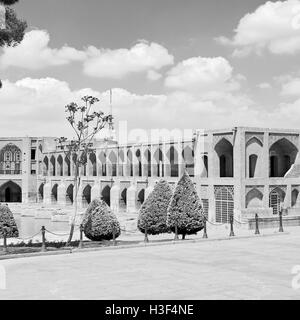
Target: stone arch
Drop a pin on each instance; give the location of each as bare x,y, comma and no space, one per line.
45,166
121,158
123,199
276,199
129,163
188,158
10,159
103,163
105,194
54,193
86,195
158,159
283,154
67,167
224,151
92,164
52,166
224,204
252,165
147,164
295,194
138,167
41,192
172,155
113,159
60,167
141,197
70,194
204,173
10,192
254,199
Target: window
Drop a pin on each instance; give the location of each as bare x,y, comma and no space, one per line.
252,165
33,153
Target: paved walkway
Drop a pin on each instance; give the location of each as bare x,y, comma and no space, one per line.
256,268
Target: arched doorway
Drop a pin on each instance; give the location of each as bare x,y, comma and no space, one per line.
282,156
54,193
69,194
141,197
106,195
10,192
86,195
41,193
224,150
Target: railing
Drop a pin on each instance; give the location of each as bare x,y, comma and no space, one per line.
11,172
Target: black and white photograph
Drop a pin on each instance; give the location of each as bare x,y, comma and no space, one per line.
150,153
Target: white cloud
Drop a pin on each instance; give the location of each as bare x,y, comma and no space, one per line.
34,53
264,85
205,75
273,26
153,75
291,87
142,57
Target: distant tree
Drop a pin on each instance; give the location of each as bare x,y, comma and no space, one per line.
99,222
12,29
185,213
7,221
86,123
153,213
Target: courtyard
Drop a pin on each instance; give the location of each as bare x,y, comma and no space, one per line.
253,268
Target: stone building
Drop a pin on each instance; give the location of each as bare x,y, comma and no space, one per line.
237,170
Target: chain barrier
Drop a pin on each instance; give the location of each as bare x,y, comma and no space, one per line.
28,238
212,223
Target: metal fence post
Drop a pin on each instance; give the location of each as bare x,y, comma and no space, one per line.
43,239
204,231
280,221
231,226
256,224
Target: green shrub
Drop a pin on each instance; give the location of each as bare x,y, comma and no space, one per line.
185,208
153,213
99,222
7,220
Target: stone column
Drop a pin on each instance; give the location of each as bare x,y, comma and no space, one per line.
131,199
115,197
288,197
61,194
181,162
211,203
95,191
47,193
212,164
238,171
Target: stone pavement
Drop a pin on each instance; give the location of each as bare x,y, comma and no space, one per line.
255,268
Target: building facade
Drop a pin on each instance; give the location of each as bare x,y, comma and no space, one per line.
237,170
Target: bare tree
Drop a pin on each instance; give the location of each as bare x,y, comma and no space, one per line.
86,123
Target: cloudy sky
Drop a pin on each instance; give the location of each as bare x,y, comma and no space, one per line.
170,63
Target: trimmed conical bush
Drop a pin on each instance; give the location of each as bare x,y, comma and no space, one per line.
99,222
185,209
7,220
153,213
